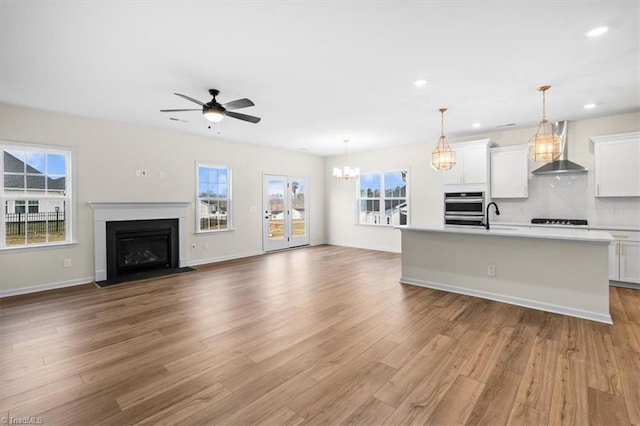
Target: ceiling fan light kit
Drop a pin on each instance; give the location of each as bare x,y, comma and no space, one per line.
215,112
213,115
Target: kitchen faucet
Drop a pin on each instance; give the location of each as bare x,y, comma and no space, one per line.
486,225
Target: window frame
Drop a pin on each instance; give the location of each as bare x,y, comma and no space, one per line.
68,198
383,198
228,199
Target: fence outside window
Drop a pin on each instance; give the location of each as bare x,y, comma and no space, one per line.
35,223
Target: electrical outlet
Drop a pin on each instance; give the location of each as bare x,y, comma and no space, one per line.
67,263
138,173
491,271
206,246
193,246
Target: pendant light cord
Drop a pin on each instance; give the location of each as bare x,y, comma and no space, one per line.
442,110
544,89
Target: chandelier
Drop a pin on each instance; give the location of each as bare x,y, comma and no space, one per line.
345,172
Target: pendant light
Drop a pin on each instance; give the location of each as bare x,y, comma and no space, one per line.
546,145
345,172
443,157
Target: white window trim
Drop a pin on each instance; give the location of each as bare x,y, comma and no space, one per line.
230,210
383,199
70,155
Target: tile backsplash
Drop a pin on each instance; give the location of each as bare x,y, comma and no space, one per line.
570,196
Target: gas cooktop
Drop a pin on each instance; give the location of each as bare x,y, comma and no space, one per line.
546,221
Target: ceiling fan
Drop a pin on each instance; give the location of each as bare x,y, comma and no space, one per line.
215,111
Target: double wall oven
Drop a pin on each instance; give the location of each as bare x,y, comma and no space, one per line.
464,208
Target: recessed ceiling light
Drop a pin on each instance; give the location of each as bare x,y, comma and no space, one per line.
597,31
589,106
476,125
420,83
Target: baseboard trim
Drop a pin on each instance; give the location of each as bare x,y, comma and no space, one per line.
613,283
224,258
548,307
45,287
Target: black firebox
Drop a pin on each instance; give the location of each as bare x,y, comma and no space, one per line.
139,248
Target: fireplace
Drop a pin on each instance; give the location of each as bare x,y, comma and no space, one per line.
137,247
139,212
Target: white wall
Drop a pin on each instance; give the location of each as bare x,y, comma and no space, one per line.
109,153
571,196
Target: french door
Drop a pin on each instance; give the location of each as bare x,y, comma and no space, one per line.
286,221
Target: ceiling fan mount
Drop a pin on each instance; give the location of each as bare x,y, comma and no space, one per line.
215,111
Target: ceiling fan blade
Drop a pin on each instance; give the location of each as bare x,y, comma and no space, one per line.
244,117
189,98
237,104
177,119
179,110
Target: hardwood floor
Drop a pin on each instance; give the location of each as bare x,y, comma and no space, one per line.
318,335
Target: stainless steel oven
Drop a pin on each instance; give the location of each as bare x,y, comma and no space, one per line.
464,208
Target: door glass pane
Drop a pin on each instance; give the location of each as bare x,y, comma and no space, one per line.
298,209
276,191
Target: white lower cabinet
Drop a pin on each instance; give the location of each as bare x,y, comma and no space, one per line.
624,257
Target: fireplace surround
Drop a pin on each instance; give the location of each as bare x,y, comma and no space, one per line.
104,212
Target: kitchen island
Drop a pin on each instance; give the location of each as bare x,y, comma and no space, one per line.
556,270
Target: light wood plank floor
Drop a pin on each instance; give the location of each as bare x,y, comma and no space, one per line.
318,335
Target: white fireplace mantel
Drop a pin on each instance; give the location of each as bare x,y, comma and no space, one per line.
104,212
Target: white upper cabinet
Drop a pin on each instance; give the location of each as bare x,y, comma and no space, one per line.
510,172
471,170
617,165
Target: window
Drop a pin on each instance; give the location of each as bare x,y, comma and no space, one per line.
213,212
36,193
382,198
20,206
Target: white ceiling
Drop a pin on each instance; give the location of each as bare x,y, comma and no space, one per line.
319,72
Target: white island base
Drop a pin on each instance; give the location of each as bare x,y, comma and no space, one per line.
554,271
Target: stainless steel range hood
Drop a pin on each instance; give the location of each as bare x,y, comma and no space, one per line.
562,164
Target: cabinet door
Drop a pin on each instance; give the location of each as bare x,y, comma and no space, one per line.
509,174
614,261
617,168
475,164
454,175
630,261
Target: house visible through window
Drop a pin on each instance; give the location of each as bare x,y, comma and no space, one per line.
20,206
382,198
36,193
214,198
